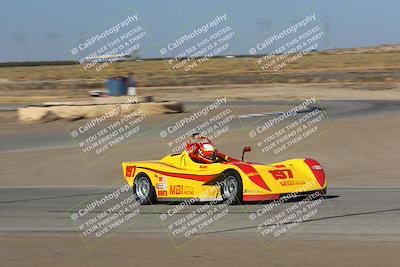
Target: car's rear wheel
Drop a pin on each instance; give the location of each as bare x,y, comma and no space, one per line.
232,188
144,190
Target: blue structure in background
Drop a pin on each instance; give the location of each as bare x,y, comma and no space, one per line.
117,86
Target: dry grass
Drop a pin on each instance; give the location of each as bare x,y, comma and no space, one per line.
146,71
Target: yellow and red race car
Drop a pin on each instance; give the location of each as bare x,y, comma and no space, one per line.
178,177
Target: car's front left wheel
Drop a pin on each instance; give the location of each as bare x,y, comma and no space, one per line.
144,190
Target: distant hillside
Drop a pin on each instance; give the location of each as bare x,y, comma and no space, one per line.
342,51
361,50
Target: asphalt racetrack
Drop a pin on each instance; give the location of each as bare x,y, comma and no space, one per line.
43,179
352,213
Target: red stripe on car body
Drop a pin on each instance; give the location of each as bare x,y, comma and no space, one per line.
201,178
261,197
252,173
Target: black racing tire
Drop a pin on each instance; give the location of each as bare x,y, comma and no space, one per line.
232,188
143,190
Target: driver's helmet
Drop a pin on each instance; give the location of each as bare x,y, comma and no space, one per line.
201,149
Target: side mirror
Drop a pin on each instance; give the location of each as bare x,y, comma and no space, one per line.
245,149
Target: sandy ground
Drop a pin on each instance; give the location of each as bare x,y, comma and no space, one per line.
139,251
356,91
358,150
353,227
322,91
355,151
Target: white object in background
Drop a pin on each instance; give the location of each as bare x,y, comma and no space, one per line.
131,90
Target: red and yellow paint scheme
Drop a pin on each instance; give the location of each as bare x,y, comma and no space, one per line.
178,177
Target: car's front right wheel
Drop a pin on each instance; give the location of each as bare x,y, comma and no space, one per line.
232,188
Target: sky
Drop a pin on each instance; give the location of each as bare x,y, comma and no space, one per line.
34,30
